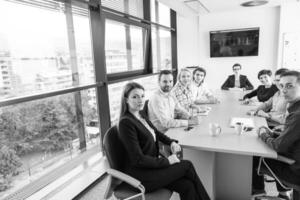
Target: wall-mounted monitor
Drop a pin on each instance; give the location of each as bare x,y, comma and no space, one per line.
229,43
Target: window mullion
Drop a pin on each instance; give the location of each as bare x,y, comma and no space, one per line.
97,23
75,75
174,43
147,39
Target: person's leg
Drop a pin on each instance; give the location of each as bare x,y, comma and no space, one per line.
192,175
154,179
185,188
258,183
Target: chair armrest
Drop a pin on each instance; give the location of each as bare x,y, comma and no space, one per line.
285,159
124,177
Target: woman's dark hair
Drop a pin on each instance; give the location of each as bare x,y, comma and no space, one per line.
126,91
199,69
281,71
264,72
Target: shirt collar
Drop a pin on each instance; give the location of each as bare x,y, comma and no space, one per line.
198,84
165,94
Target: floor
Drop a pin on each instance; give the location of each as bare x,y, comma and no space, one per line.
98,189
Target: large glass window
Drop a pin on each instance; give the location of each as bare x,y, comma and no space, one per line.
39,136
161,49
124,47
132,7
37,52
160,13
48,101
46,47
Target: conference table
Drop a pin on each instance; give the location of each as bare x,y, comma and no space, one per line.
224,162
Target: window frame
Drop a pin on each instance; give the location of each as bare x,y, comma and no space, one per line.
97,15
132,73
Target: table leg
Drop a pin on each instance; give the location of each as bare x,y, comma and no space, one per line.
233,176
203,162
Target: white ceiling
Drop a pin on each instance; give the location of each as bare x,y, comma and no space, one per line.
198,7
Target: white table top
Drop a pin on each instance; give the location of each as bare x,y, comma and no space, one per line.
228,141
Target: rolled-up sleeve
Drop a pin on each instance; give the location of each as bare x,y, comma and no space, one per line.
289,136
162,115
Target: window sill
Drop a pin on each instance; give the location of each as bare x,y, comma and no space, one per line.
68,180
75,181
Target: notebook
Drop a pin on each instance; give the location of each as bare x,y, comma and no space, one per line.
248,122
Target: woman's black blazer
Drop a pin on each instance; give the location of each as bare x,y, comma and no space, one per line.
142,150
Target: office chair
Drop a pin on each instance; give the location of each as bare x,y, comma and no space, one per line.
120,185
268,171
145,109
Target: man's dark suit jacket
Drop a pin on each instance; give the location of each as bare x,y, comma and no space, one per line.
139,143
244,83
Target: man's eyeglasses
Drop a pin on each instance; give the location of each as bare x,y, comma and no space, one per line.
236,69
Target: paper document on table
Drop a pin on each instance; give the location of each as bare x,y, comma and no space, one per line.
204,110
248,122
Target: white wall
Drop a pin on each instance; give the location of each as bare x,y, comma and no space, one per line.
289,24
267,19
187,41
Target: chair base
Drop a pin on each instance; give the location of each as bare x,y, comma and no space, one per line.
124,191
294,196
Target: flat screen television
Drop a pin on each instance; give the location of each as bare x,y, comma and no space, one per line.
230,43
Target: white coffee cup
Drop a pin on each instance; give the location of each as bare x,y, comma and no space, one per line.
214,129
239,128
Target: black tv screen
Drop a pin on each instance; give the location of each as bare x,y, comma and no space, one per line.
229,43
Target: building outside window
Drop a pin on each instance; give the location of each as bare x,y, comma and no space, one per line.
48,89
37,55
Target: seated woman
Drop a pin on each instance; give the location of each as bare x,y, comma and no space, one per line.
265,91
182,90
201,94
275,109
237,80
140,139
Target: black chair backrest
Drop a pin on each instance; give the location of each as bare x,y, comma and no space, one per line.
145,109
114,149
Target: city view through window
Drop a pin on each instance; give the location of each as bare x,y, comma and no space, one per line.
49,49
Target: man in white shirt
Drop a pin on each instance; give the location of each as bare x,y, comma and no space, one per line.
201,93
164,110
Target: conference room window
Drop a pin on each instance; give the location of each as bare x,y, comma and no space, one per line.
160,13
42,135
49,96
161,36
131,7
48,106
124,47
47,53
161,49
